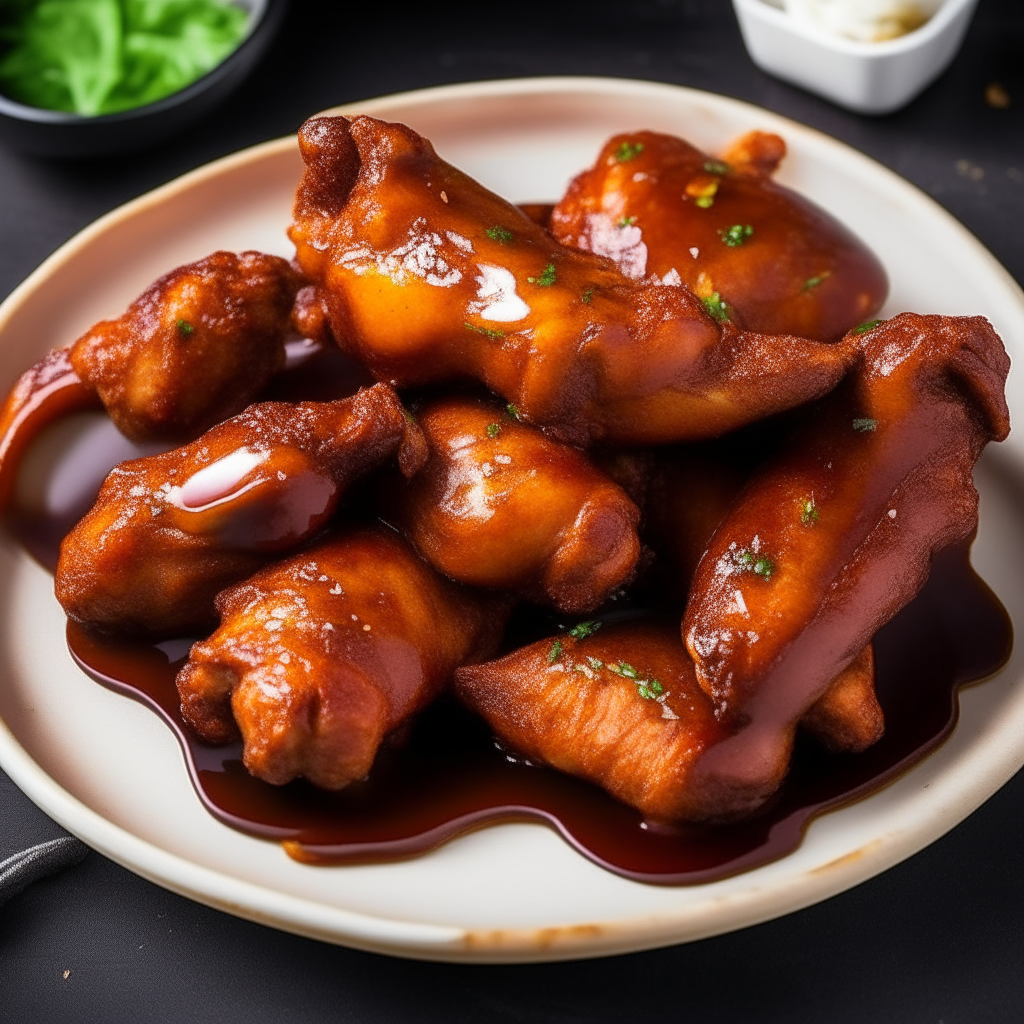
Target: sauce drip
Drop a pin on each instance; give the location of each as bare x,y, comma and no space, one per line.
447,776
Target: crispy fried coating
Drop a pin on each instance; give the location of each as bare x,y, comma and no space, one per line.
427,276
837,533
320,656
665,211
847,717
500,505
692,490
194,348
168,532
620,708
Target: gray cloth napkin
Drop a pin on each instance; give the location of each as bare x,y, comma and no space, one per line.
22,869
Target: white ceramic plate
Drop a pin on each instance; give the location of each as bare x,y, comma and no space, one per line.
111,772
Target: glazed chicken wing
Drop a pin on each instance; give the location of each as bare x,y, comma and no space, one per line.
665,211
424,276
168,532
320,656
692,490
500,505
836,535
620,708
193,349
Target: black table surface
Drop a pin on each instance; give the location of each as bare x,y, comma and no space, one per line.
937,940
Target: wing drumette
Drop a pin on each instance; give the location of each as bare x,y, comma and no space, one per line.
425,275
832,538
320,656
500,505
169,531
665,211
193,349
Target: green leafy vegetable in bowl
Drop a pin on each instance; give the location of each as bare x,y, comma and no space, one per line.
100,56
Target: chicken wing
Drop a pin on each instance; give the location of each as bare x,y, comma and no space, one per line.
426,276
692,491
193,349
500,505
320,656
837,534
168,532
665,211
620,707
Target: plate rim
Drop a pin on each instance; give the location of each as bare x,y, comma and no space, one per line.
452,943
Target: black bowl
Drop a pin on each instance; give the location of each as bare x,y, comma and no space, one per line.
55,133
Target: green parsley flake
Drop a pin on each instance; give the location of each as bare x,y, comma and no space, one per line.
869,326
595,663
718,309
485,331
625,222
716,167
185,329
705,202
513,410
813,282
649,689
493,429
623,668
555,653
759,565
808,512
864,426
500,234
584,629
546,278
587,296
628,151
736,235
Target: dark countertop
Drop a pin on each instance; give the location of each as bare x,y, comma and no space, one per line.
937,940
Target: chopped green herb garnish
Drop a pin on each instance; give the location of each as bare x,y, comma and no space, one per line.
718,309
500,234
587,295
808,512
716,167
736,235
493,429
513,410
185,329
584,629
555,653
595,663
864,426
408,415
869,326
623,668
628,151
485,331
546,278
625,222
749,561
649,689
813,282
705,202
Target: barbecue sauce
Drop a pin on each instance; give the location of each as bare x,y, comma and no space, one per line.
446,775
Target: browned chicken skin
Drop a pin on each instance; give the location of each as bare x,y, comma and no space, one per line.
169,531
320,656
426,276
193,349
691,491
500,505
665,211
620,708
836,535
